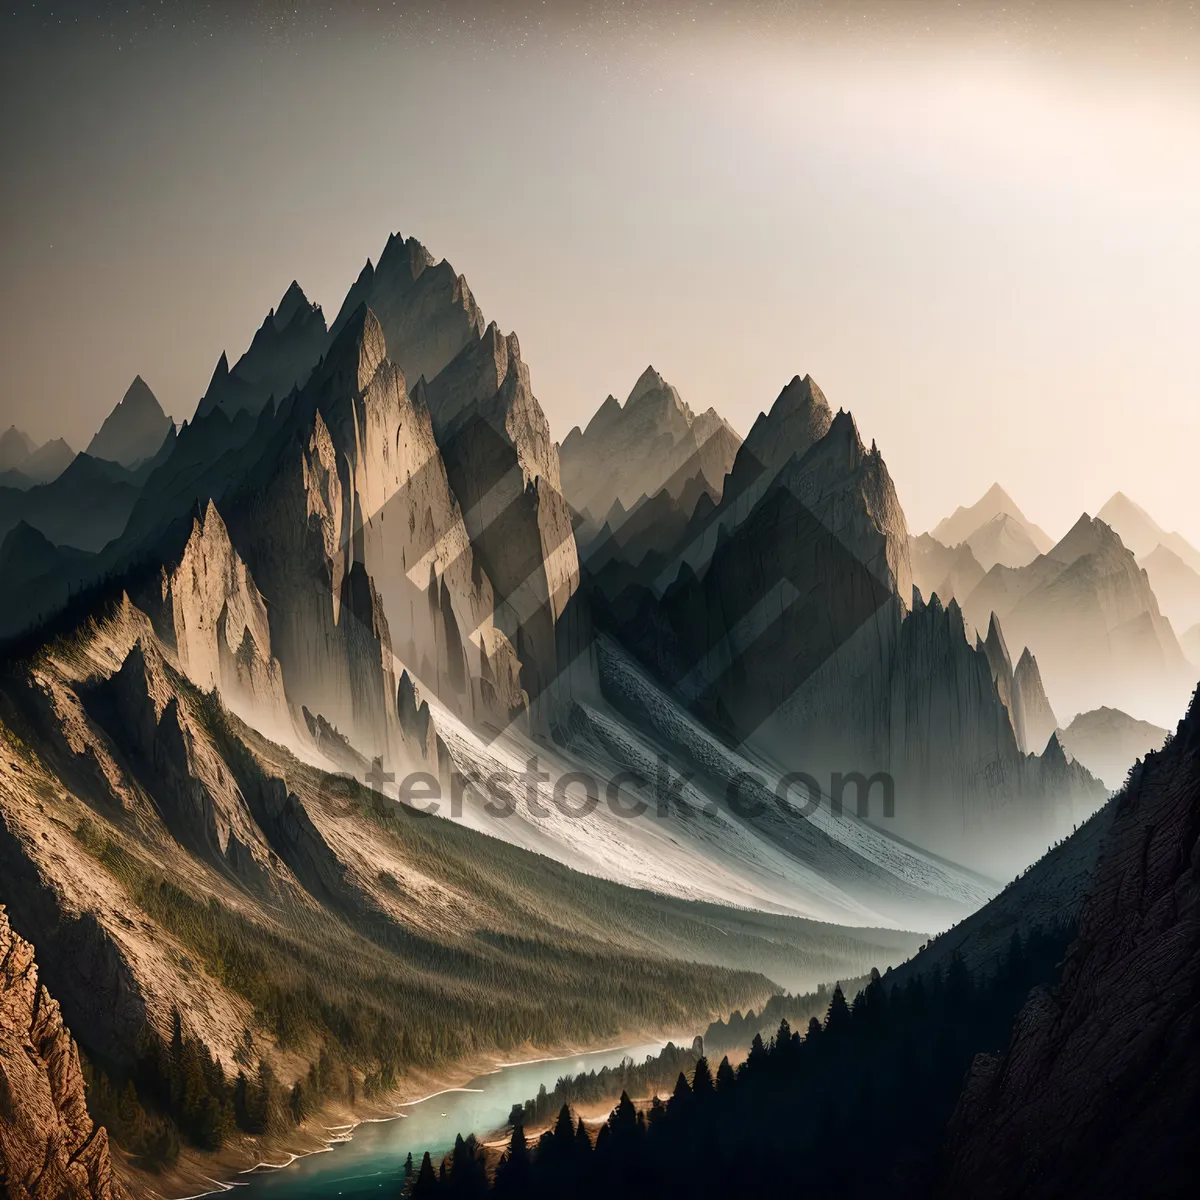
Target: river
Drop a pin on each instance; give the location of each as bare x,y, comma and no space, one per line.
370,1162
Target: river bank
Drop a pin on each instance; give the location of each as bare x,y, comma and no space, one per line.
362,1148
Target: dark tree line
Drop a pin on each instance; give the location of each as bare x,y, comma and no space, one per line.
595,1087
177,1093
857,1103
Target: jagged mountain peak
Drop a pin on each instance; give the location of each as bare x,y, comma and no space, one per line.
652,386
967,522
15,447
135,428
427,311
648,381
404,253
1037,716
799,395
799,418
995,637
1118,504
653,398
604,418
293,304
1089,535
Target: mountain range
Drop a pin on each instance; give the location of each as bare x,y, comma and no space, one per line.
967,523
364,567
1141,533
24,464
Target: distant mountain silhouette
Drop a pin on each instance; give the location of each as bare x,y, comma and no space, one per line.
1141,533
134,430
964,522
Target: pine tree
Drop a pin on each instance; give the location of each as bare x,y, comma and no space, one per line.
564,1131
837,1019
726,1079
680,1103
758,1052
623,1119
583,1143
702,1081
426,1184
512,1176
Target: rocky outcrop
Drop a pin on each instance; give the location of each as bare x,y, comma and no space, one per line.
1037,716
172,755
49,1148
653,442
1095,1093
1002,676
134,430
218,623
504,469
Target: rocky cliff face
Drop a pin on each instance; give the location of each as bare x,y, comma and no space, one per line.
503,467
652,442
1096,1092
1036,713
1000,661
218,622
134,430
360,549
49,1148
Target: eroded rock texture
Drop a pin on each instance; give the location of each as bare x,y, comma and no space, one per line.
49,1148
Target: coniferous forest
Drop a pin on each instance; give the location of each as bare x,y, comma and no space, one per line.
853,1105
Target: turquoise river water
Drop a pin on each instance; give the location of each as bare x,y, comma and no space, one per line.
370,1161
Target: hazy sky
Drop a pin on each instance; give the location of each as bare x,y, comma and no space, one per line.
976,226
